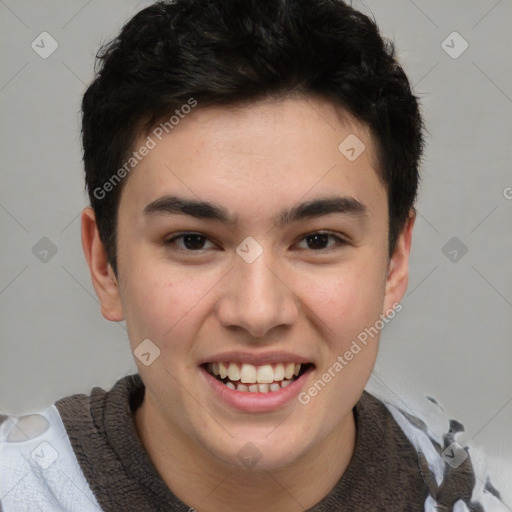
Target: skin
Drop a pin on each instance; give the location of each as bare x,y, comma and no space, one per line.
254,160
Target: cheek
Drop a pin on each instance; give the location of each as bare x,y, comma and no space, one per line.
346,300
156,303
168,306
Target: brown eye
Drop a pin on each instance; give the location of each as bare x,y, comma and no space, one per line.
193,242
320,241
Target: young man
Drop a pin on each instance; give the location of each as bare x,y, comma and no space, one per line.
252,168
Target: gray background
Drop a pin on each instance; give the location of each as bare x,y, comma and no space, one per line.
452,340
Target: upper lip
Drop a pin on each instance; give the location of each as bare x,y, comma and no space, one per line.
256,359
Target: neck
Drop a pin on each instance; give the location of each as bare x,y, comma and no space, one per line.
209,485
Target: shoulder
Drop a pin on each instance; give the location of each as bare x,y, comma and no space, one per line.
38,468
454,468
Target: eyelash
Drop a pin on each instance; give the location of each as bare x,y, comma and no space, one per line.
340,241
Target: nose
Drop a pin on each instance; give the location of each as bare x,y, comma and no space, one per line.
257,298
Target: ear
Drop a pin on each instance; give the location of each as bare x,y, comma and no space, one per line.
103,278
398,269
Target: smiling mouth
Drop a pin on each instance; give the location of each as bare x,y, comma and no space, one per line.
266,378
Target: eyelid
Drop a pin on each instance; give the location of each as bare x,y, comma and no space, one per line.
170,240
339,238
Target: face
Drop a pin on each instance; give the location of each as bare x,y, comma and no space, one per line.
278,274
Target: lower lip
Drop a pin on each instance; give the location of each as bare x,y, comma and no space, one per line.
248,401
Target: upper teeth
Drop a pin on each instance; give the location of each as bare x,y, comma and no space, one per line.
250,374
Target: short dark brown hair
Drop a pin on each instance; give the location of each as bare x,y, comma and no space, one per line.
237,51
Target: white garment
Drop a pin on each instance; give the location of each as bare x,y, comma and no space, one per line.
38,468
436,422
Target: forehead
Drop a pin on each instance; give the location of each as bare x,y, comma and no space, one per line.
256,155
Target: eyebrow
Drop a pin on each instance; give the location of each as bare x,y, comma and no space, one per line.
209,211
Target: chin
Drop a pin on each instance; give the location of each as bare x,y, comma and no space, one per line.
257,453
